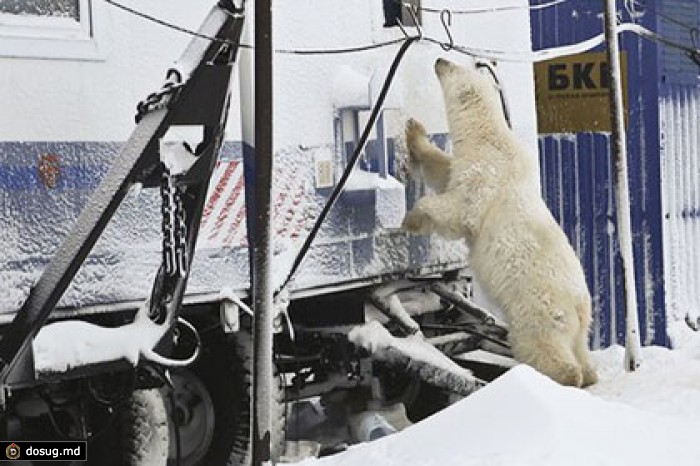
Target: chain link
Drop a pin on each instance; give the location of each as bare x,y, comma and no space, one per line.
174,227
168,210
181,252
162,97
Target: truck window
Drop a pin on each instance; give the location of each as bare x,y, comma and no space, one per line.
57,8
59,29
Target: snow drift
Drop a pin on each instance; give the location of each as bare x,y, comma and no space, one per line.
524,418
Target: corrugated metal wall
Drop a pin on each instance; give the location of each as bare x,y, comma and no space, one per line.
681,194
679,110
577,180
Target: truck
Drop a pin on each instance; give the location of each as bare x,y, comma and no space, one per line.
128,308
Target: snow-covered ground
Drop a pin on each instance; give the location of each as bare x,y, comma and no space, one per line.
649,417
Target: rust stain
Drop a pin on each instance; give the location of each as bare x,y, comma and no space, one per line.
49,170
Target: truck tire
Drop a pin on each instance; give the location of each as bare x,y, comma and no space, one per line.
225,372
143,429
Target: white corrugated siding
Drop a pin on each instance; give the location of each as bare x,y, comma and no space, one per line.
681,199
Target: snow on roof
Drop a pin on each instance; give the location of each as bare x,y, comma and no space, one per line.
648,417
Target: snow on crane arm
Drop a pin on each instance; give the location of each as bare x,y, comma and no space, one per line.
62,346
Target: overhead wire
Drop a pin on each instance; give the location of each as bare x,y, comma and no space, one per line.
164,23
491,54
691,51
343,50
668,18
493,9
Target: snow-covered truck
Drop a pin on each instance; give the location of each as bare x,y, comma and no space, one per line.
125,272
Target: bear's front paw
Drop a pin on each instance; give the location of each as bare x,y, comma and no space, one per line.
415,136
415,222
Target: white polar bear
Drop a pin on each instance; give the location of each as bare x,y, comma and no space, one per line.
487,193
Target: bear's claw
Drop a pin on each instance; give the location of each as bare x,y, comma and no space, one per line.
414,130
414,222
415,136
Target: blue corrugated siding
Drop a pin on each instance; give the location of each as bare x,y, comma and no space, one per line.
578,176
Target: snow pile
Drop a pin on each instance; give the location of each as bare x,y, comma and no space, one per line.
523,418
667,382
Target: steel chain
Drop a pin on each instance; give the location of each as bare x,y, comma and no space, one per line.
168,210
174,227
180,234
158,99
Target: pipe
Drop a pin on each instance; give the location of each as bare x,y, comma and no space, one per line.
261,242
619,144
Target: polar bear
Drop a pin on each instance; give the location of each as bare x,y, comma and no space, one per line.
487,193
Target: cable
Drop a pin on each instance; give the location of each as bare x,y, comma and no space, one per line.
692,52
165,23
495,9
360,48
351,163
492,54
175,27
667,17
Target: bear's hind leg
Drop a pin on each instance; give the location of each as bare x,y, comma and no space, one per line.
590,376
426,158
552,358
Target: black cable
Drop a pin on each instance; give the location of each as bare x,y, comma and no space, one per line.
351,163
501,94
692,52
676,22
668,18
494,9
175,27
360,48
167,24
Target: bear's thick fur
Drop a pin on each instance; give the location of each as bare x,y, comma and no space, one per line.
487,193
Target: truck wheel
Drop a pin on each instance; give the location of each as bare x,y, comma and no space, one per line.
143,429
212,405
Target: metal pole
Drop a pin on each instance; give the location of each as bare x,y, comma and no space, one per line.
619,144
261,282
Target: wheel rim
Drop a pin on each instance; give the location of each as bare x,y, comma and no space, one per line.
192,411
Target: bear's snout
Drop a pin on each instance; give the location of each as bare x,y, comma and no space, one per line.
442,65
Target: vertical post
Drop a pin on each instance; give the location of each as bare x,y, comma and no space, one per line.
619,144
261,242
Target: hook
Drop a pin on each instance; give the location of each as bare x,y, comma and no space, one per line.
413,10
446,19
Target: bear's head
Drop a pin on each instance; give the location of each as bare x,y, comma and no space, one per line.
471,98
